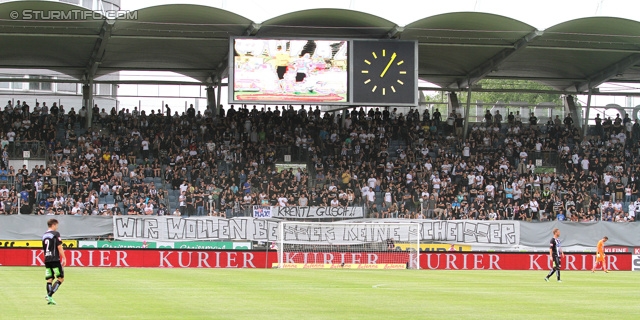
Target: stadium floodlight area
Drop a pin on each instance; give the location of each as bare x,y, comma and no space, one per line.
345,245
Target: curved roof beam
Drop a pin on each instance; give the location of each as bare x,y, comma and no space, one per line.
494,62
98,51
607,73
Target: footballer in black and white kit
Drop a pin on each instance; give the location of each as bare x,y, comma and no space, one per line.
54,259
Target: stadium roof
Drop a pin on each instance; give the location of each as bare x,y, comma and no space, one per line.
455,49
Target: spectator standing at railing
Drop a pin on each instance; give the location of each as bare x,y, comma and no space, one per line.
4,176
4,142
533,121
38,185
437,118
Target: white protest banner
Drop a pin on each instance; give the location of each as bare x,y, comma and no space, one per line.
172,229
296,212
261,212
190,229
500,232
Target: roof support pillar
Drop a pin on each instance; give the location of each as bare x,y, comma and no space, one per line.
87,101
467,110
219,106
585,121
571,108
211,100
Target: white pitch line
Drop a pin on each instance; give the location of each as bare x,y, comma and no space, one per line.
377,286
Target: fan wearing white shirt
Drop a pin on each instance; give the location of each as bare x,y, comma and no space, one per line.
11,136
148,208
523,155
145,147
388,198
184,187
4,192
371,182
371,197
436,184
617,206
531,168
632,210
636,213
534,206
575,158
504,165
282,201
471,178
76,209
490,190
621,137
479,180
585,165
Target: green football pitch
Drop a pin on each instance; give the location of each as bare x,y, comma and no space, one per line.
100,293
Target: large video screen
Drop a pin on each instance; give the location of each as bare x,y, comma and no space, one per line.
289,71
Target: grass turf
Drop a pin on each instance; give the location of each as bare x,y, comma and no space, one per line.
101,293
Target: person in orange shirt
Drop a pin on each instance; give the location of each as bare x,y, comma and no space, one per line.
600,256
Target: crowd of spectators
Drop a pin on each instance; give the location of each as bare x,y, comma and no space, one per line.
412,166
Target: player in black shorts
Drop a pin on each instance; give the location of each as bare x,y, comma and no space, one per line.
282,62
555,254
54,259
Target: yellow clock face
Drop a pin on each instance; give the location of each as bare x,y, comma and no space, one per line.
384,72
387,66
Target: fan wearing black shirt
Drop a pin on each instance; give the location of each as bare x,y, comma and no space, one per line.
555,254
54,259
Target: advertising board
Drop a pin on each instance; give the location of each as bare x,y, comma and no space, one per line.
171,258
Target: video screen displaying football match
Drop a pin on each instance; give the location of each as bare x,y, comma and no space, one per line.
290,71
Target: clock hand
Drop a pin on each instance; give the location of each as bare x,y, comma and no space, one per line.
393,57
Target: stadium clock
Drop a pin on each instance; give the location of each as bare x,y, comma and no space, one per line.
384,72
